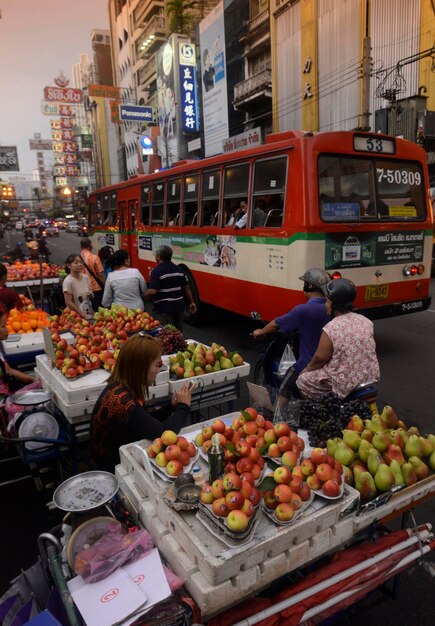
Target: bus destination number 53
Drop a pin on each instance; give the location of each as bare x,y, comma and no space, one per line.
373,144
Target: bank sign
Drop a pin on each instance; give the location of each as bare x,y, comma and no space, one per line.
188,87
135,113
368,249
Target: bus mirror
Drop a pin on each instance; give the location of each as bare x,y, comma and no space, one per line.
255,315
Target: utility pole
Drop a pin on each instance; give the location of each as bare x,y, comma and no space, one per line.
366,67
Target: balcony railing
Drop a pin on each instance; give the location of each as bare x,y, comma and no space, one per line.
258,20
247,88
147,69
143,9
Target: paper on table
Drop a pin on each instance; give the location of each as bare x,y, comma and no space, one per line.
108,601
149,575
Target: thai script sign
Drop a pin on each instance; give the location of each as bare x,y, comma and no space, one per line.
103,91
61,94
188,90
8,159
249,139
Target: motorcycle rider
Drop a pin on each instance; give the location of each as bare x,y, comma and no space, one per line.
306,321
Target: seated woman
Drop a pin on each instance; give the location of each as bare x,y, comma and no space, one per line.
9,298
125,285
346,354
10,379
120,417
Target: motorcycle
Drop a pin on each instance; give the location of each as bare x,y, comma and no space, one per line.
267,374
14,255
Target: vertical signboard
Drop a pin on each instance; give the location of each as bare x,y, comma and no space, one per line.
214,80
188,88
167,141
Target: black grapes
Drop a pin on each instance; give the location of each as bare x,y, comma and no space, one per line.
326,418
172,340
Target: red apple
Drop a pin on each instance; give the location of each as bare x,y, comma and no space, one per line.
174,468
237,521
220,507
234,500
168,437
284,512
282,475
231,481
281,429
318,456
206,495
324,472
282,493
331,488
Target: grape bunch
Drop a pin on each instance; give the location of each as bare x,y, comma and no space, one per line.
325,419
171,339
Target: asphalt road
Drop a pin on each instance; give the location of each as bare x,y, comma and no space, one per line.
406,350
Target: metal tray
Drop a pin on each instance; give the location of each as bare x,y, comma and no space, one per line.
85,491
29,398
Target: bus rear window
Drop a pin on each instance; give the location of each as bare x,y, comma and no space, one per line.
358,189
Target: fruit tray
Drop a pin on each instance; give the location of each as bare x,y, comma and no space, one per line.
270,513
275,462
220,524
321,494
160,472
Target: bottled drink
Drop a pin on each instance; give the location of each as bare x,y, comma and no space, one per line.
216,460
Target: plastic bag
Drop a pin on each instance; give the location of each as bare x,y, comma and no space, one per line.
287,360
110,552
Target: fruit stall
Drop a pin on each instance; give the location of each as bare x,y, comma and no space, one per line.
281,503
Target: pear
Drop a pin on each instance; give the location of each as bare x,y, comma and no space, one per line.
208,368
384,478
217,366
381,440
367,434
397,472
393,452
374,460
408,473
365,484
413,446
427,445
348,476
226,364
188,364
199,370
432,461
364,449
356,423
389,416
421,469
401,424
331,445
413,430
180,357
397,438
237,359
376,423
352,439
344,454
188,373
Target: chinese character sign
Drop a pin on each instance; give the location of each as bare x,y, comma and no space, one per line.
188,87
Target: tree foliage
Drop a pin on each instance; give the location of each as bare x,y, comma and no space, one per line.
180,17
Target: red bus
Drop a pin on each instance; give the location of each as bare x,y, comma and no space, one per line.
356,204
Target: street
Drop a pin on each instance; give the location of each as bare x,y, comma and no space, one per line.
406,351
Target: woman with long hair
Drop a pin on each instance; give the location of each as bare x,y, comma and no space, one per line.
120,415
125,285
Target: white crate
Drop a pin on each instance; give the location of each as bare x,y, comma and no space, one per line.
20,344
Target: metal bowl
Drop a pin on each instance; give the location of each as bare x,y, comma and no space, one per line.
189,493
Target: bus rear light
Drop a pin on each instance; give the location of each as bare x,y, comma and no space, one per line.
420,269
335,275
410,270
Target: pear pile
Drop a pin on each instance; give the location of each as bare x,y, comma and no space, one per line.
381,452
198,359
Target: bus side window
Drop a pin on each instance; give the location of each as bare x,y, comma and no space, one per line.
268,193
210,197
173,192
190,199
145,205
157,206
236,190
209,212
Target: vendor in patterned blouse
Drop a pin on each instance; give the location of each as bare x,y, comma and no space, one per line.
346,354
120,415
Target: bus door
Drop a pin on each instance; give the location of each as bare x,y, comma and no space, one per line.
131,232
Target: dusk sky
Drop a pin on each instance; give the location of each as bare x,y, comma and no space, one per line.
38,38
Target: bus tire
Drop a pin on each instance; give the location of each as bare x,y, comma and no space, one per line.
194,319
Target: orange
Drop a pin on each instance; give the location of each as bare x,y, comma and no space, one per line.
34,323
33,315
25,326
16,325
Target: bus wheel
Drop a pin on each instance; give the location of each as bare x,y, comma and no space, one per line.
195,318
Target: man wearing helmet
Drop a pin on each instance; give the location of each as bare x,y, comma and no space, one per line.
346,354
305,320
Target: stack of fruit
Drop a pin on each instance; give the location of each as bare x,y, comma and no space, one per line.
27,270
284,493
199,359
172,453
232,497
69,360
283,445
119,318
381,452
28,320
172,340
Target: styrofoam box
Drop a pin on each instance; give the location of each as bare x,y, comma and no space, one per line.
217,562
86,388
28,342
33,282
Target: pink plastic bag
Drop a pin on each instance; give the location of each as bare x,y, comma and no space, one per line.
110,552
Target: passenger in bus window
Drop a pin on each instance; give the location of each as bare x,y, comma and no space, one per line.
259,216
241,215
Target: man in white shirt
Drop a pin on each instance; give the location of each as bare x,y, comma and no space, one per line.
241,215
